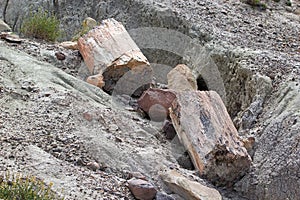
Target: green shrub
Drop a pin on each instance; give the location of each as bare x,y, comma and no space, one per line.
15,187
257,3
41,25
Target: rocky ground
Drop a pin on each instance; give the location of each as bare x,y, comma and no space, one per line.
52,124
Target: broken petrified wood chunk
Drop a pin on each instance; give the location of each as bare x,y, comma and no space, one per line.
109,50
188,189
207,132
181,79
96,80
156,103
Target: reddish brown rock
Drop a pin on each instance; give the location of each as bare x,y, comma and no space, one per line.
96,80
156,102
109,50
207,132
60,56
141,189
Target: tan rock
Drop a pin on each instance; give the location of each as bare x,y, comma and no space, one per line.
4,26
181,79
10,37
188,189
96,80
70,45
207,132
156,103
141,189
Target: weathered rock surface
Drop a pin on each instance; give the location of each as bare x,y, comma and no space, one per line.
109,50
4,26
142,189
188,189
71,120
181,79
276,159
207,132
156,103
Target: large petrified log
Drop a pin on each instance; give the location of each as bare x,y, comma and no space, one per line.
109,50
207,132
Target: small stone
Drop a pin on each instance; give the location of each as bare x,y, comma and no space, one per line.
96,80
113,128
163,196
141,189
87,116
138,175
70,45
93,166
60,56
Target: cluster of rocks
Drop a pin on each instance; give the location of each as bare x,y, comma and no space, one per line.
242,41
200,118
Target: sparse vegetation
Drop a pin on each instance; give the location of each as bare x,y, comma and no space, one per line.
87,25
41,25
18,187
257,3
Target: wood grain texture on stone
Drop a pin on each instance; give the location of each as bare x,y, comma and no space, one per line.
207,132
188,189
109,50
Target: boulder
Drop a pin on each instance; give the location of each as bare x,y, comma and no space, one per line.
4,26
141,189
181,78
156,103
188,189
109,50
209,136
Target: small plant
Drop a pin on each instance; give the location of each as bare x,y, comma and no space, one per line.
257,3
41,25
15,187
87,25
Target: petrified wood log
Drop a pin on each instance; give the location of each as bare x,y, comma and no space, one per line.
109,50
207,132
